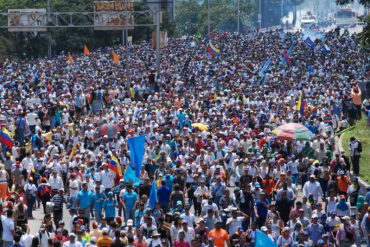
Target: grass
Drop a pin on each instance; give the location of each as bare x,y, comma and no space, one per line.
362,133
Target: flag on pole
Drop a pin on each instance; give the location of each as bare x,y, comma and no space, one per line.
212,49
70,59
115,166
309,43
6,137
131,177
115,58
325,49
153,195
285,58
86,50
262,240
73,152
137,149
265,67
301,104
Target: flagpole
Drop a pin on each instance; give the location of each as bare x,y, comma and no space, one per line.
127,53
209,18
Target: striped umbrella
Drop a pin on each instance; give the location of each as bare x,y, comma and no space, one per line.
293,131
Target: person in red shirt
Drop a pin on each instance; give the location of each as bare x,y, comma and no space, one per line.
199,144
59,236
182,242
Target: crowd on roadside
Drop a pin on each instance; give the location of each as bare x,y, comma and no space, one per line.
217,183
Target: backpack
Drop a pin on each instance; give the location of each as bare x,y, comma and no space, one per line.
359,147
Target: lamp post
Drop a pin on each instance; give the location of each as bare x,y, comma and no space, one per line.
49,33
238,26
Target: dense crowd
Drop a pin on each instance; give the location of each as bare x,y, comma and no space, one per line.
215,184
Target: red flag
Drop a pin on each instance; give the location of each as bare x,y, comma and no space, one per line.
212,35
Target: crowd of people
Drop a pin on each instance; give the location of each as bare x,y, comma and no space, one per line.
215,184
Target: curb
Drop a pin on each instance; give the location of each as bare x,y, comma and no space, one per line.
364,186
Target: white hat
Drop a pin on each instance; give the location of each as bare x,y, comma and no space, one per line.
130,222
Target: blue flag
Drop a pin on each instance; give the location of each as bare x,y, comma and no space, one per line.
136,145
130,176
262,240
153,195
309,43
36,76
265,67
325,49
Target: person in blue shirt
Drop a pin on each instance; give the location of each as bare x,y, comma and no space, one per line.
129,201
261,209
169,180
116,192
98,199
179,209
109,205
84,200
139,213
163,194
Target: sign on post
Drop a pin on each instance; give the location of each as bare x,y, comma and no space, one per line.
113,15
27,20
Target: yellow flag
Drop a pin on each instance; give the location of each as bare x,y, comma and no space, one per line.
115,58
73,152
70,59
86,50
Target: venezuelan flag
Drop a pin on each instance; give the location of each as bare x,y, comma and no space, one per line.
70,59
6,137
301,104
43,189
213,50
115,166
86,50
115,58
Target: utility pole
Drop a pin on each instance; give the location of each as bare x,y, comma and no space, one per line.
260,15
49,33
282,12
209,18
127,53
238,27
157,41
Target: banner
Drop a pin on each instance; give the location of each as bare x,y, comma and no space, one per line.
137,149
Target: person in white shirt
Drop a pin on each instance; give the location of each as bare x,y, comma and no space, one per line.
32,121
55,181
72,242
188,231
313,187
107,179
26,239
74,188
8,228
187,216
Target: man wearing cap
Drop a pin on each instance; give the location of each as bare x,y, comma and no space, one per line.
74,188
261,209
219,236
72,242
217,190
97,199
312,187
109,205
315,229
84,200
58,200
346,234
285,239
187,230
116,192
129,201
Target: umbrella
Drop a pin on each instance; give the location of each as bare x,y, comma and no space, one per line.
200,126
109,129
293,131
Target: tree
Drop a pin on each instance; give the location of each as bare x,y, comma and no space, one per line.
364,36
192,16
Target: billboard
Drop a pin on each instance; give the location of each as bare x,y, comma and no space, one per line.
27,20
163,40
113,15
